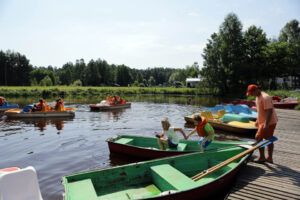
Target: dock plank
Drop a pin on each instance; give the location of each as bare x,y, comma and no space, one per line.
280,180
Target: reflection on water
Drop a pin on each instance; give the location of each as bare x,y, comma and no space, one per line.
39,123
113,114
81,144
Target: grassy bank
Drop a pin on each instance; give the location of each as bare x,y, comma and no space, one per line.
55,91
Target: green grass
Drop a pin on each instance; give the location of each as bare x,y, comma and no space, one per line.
54,91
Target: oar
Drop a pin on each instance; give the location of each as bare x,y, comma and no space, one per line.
247,146
226,162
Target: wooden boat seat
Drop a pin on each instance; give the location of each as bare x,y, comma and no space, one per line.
124,141
83,189
180,147
167,178
134,192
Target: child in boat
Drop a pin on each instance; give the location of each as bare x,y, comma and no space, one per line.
108,98
204,130
2,101
39,106
170,131
59,103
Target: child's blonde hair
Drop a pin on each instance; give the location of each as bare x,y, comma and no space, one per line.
165,124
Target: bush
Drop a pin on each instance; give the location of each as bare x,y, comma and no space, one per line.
46,81
77,83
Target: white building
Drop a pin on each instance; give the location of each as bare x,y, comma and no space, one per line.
192,82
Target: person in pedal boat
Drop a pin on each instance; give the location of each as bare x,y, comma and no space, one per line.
39,106
2,101
58,104
204,130
172,137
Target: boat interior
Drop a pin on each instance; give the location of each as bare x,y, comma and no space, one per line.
151,178
184,145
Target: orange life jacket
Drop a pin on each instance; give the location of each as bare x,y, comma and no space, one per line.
57,105
2,100
40,106
200,127
108,98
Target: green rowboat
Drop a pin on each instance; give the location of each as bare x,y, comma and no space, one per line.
166,178
147,147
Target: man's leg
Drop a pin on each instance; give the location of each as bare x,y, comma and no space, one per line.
262,157
270,153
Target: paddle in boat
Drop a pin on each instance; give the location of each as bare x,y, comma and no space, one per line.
5,106
27,112
110,103
147,147
227,122
190,176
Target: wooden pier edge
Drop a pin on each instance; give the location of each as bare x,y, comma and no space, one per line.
280,180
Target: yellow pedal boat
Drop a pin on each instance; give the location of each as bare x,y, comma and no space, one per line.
44,113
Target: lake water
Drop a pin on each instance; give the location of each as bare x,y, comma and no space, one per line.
58,147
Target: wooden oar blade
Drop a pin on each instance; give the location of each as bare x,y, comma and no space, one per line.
271,140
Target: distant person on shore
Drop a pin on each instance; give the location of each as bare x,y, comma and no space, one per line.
266,121
204,130
172,137
189,100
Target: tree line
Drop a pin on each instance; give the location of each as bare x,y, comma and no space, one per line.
233,58
16,70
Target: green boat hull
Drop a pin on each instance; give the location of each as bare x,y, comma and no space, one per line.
166,178
147,147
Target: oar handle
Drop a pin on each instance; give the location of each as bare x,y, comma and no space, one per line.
216,167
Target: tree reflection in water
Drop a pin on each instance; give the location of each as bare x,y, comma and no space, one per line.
41,124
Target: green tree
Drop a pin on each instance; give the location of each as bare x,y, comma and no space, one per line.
255,43
139,77
14,69
151,81
178,75
93,77
192,71
46,81
290,32
224,56
124,76
277,62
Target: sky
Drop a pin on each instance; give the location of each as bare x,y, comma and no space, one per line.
137,33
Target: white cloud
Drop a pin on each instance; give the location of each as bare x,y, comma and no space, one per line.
194,14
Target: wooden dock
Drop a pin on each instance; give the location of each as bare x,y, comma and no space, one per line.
280,180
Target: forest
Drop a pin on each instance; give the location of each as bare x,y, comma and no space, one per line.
233,58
